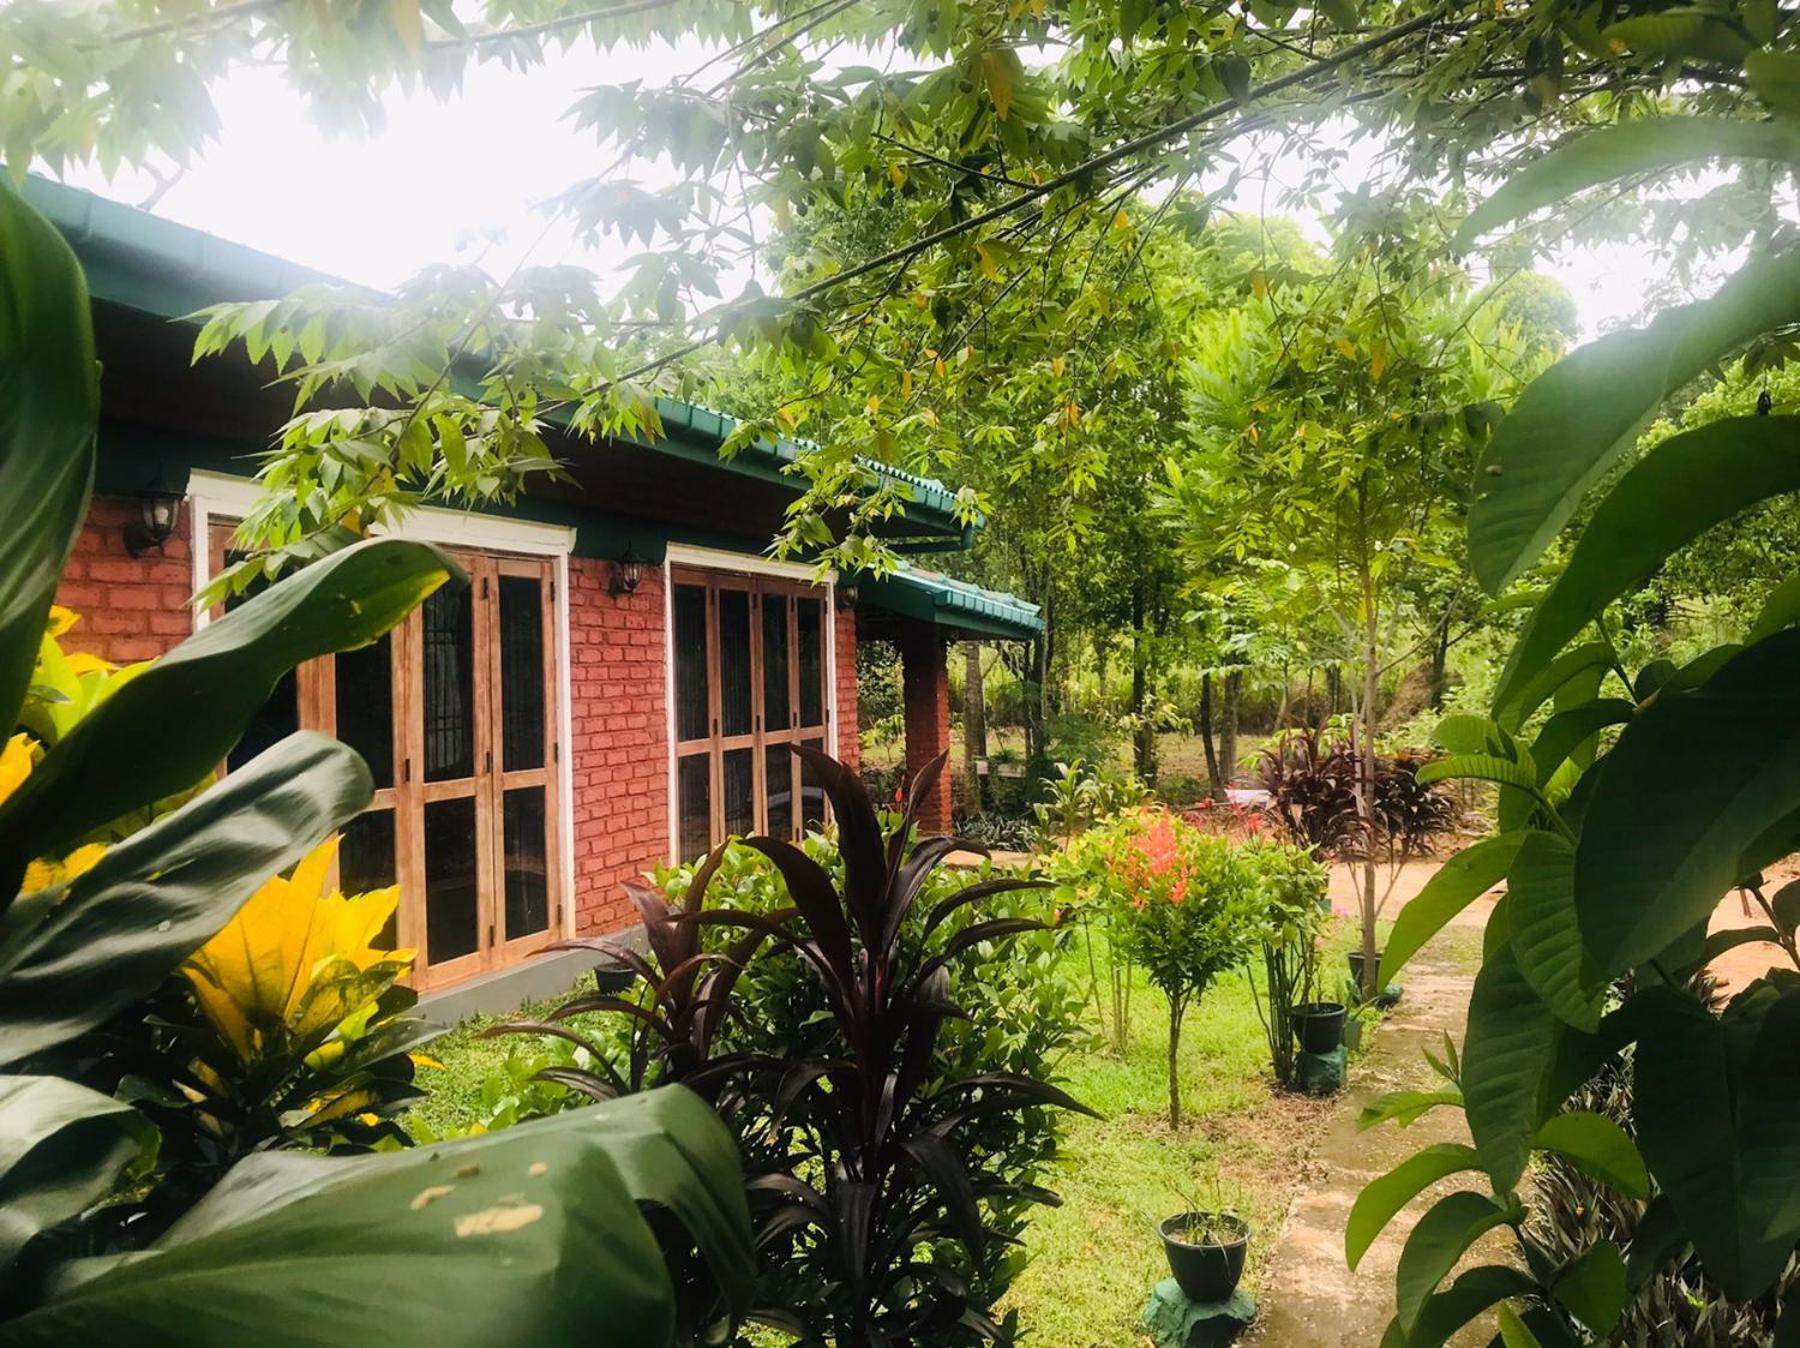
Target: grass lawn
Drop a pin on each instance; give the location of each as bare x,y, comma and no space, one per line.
1094,1260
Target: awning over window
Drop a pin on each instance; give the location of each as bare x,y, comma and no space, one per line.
966,609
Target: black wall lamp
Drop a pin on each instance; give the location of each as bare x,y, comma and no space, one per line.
160,510
627,573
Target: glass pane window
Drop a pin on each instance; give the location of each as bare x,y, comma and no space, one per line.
365,707
693,791
775,661
740,792
449,658
691,714
526,857
451,897
734,662
366,862
809,627
812,795
778,784
521,672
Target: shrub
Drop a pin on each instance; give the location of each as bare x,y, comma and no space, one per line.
1288,919
884,1054
1177,901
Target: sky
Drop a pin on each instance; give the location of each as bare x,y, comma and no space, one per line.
459,181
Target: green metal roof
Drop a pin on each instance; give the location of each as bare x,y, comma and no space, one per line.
141,261
936,598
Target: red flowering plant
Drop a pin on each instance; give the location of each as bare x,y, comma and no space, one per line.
1178,902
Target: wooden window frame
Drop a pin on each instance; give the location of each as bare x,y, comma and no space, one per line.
762,589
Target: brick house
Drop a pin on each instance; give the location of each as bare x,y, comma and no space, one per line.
619,685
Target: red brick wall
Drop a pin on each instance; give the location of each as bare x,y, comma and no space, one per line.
849,728
131,608
925,685
620,753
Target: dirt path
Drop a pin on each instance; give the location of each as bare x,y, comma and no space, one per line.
1309,1298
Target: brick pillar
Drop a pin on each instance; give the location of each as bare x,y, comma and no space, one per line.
130,608
925,680
849,725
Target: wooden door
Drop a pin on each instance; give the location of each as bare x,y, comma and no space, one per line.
455,712
750,683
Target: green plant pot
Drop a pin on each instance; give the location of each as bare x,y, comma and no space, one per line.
1353,1033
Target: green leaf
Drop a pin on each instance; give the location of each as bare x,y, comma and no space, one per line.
1679,490
1472,1293
171,725
1545,934
1404,1107
1381,1199
1690,32
1781,609
1480,768
1774,77
1599,1147
1435,1245
1514,1333
1592,1287
1234,74
62,1149
1581,664
1693,781
1576,418
1463,733
1690,1128
1508,1054
1564,733
1656,1240
528,1235
49,407
1608,153
1461,880
72,956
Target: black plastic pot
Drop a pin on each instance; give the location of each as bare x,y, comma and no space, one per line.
1386,997
610,978
1319,1026
1356,965
1207,1273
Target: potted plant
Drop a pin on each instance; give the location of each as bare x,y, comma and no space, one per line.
1289,920
1206,1249
1319,1026
1384,997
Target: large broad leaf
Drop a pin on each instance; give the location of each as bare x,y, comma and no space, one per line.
1678,491
1606,154
1576,418
1579,671
1440,1239
1382,1198
1690,1127
1461,880
529,1235
1546,937
49,406
1693,782
1472,1293
172,724
72,956
1509,1055
1592,1287
62,1148
1599,1147
1565,733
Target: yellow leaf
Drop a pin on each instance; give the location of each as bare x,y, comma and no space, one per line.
1259,285
896,175
407,24
931,417
1040,8
1121,222
962,357
1346,348
785,415
1377,359
990,265
906,383
874,404
920,299
15,763
61,620
1057,366
997,67
937,367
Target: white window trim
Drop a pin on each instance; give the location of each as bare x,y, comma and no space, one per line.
719,559
221,496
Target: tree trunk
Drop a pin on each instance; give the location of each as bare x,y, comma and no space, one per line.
974,725
1228,731
1215,786
1176,1007
1440,656
1145,734
1365,726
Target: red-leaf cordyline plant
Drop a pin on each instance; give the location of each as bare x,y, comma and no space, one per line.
881,1205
